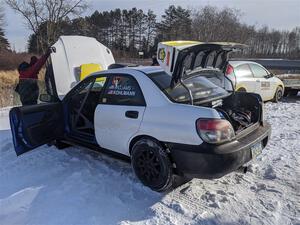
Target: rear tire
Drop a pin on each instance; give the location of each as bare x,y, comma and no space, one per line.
278,94
152,165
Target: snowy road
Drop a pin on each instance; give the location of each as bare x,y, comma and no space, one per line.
75,186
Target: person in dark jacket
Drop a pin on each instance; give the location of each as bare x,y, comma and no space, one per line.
154,61
28,75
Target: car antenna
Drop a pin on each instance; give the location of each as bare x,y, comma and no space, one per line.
183,84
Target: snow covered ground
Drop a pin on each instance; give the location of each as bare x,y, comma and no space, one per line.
75,186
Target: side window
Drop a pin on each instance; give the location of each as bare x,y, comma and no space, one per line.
258,71
122,90
98,84
82,87
93,85
243,71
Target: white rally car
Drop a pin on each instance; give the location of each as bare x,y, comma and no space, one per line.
172,124
252,77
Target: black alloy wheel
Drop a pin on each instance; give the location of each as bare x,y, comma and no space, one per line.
152,165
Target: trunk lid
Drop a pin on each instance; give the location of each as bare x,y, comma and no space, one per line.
181,59
71,53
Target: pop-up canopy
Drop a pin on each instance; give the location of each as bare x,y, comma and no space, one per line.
73,54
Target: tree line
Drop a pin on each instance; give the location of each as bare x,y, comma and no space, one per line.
4,44
129,31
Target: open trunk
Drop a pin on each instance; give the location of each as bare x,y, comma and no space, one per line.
197,69
241,109
182,59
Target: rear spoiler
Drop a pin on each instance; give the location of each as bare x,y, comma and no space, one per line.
178,58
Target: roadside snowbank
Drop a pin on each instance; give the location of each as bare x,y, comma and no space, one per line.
75,186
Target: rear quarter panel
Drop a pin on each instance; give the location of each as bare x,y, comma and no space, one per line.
174,122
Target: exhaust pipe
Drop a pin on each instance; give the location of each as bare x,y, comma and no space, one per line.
242,169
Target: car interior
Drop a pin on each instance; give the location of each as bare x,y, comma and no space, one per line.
82,100
82,104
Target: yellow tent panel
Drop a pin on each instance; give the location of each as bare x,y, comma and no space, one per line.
87,69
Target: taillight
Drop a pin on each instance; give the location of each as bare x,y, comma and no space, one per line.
215,131
229,70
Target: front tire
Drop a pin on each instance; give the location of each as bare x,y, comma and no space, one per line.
152,165
278,94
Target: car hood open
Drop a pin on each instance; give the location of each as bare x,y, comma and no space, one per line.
182,58
71,52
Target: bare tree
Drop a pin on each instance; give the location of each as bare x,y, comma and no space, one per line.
49,13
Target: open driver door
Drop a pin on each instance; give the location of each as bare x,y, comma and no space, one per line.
35,125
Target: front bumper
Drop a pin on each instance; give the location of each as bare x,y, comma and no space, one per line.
213,161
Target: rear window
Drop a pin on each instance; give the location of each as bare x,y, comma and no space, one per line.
201,87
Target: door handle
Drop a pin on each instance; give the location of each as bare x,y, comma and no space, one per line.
132,114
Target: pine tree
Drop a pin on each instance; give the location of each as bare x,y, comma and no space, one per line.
176,24
4,44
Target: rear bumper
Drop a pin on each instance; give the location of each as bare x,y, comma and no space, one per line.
214,161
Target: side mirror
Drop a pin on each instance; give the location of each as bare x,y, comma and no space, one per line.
46,98
269,76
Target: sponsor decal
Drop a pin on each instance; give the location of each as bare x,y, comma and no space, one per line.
121,92
161,54
116,88
168,58
265,85
116,81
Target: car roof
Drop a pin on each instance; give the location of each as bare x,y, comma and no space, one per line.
144,69
148,69
236,63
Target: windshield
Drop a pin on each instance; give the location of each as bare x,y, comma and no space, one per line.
201,87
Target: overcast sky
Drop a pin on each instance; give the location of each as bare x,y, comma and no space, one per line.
279,14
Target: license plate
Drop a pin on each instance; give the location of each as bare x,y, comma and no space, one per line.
256,149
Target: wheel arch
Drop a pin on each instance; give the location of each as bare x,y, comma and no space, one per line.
241,88
280,86
139,137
